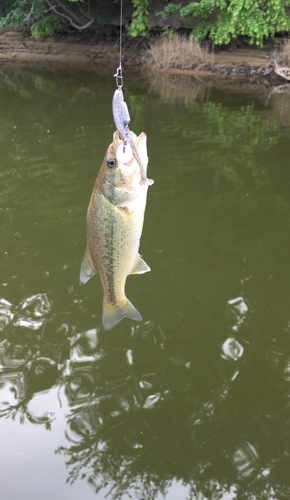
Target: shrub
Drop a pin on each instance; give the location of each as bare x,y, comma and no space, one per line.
281,61
46,26
257,19
19,12
140,24
178,52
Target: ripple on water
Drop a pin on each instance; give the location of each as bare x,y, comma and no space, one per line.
151,401
32,311
274,356
12,390
42,373
84,347
145,385
232,349
244,459
6,314
7,175
79,387
42,408
179,361
237,309
129,356
13,356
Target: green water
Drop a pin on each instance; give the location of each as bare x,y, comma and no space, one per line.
194,402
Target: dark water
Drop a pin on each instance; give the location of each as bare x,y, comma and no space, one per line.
194,402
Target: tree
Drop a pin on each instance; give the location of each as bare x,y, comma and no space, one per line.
223,20
45,15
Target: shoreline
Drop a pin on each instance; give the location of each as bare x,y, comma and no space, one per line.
18,49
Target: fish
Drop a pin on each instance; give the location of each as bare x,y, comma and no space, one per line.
114,226
122,120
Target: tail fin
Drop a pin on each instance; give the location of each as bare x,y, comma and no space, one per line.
113,314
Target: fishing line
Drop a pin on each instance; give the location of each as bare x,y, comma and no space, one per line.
118,75
126,150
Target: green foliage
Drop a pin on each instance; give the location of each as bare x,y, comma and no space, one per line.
105,18
202,9
46,26
257,19
170,9
19,12
169,33
140,24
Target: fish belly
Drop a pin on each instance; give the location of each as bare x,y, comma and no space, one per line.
113,240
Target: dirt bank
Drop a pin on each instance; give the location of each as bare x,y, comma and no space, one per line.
83,52
18,48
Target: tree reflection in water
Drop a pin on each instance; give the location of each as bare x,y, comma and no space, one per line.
163,417
144,413
203,400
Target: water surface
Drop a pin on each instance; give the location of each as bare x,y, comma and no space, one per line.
194,401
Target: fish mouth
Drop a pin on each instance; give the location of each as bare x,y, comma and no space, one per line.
118,141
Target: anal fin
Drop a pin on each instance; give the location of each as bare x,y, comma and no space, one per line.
87,268
140,266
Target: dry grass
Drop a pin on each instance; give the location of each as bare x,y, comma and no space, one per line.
285,53
178,52
281,61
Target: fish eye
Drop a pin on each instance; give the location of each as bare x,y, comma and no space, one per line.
111,162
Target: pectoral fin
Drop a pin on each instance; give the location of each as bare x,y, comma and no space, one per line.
87,268
140,266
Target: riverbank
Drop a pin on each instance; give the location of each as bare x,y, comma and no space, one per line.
18,48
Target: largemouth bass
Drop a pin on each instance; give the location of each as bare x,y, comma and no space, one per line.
114,226
122,120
